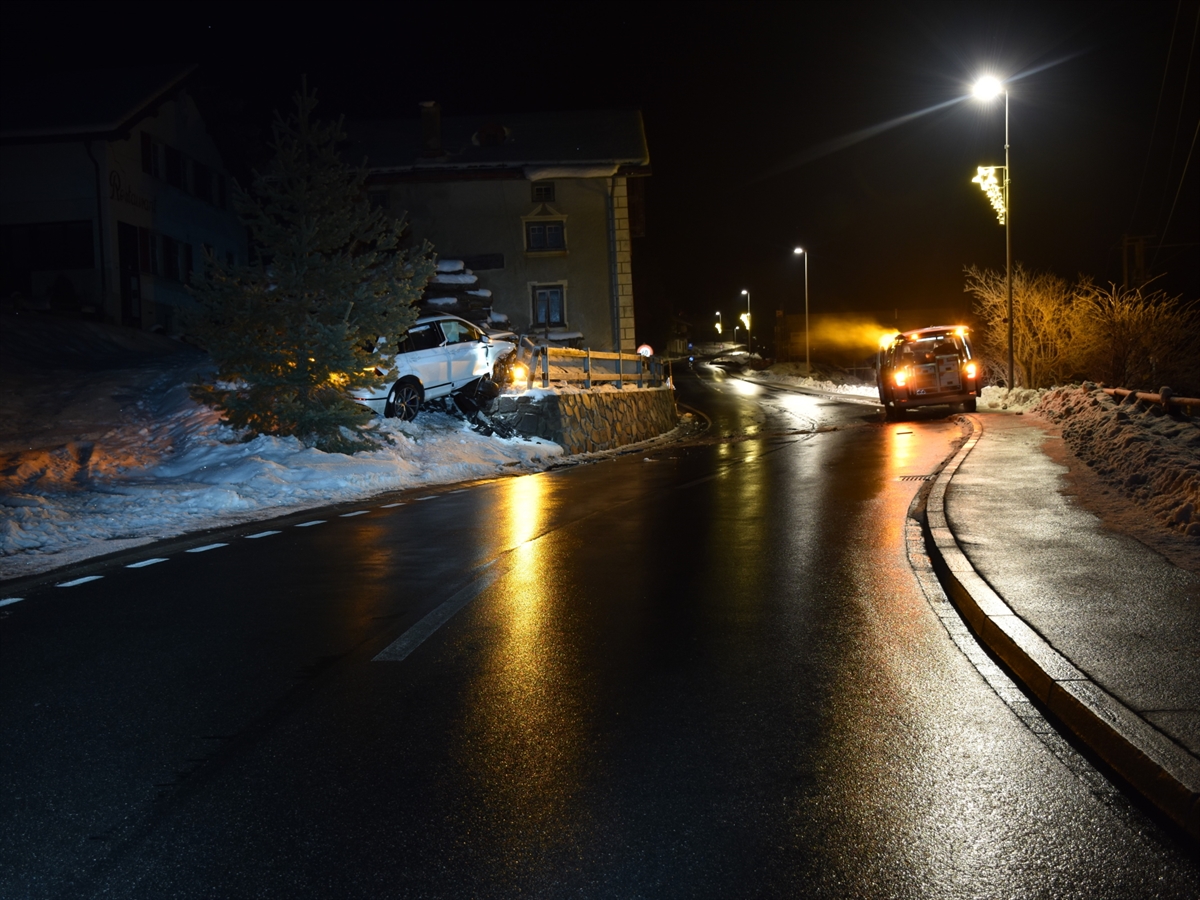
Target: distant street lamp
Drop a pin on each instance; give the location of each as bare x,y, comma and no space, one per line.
985,89
718,321
800,252
746,319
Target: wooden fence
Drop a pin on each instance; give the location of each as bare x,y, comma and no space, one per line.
596,366
1188,405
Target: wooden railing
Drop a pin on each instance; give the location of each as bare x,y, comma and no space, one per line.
1188,405
596,366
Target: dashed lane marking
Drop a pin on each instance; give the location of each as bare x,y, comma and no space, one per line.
357,512
390,505
84,580
7,600
261,534
146,562
311,524
206,548
427,497
400,648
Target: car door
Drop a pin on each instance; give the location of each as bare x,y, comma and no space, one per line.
467,351
423,355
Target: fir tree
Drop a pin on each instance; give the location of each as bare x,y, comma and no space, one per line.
298,327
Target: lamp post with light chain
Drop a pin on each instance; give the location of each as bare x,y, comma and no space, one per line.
985,89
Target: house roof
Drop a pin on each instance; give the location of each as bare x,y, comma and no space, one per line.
564,144
86,103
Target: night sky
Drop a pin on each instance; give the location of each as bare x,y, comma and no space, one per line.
763,123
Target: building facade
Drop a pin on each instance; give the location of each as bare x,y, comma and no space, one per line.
539,208
112,192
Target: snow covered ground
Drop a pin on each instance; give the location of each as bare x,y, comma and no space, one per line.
103,449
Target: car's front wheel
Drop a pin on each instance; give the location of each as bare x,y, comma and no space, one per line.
404,400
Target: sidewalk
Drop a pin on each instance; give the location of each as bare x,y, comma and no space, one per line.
1103,630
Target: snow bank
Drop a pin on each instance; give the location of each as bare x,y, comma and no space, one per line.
789,373
176,469
1153,457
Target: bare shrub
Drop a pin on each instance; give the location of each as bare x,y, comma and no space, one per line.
1044,324
1138,338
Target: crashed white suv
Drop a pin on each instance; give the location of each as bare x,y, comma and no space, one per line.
438,356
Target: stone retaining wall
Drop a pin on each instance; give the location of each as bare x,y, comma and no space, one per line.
596,420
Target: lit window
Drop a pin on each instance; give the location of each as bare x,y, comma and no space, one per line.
548,306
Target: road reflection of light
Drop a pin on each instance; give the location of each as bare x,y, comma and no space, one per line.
903,446
526,709
902,764
521,508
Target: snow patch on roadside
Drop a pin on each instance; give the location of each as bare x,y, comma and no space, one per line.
1151,456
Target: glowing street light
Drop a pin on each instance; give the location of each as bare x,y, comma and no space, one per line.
718,321
987,88
799,251
746,318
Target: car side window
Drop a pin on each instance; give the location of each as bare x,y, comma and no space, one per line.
458,332
420,337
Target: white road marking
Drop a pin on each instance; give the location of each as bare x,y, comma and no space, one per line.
357,512
253,537
84,580
312,523
390,505
8,600
459,491
206,547
427,497
146,562
400,648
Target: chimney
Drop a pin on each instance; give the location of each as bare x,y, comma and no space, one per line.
431,128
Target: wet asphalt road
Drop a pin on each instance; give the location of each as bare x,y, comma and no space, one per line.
702,671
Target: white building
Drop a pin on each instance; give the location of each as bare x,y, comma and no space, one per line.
111,191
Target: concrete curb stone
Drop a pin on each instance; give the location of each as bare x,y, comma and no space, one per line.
1161,770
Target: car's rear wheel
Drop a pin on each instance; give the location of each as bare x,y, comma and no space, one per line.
404,400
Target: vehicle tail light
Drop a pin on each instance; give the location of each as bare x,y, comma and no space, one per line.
901,377
970,370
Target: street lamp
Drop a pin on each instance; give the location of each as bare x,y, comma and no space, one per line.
985,89
718,321
799,251
746,319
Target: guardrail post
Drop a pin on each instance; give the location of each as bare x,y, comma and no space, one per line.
532,368
641,371
545,367
587,369
620,370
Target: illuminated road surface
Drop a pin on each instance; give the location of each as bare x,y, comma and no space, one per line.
702,671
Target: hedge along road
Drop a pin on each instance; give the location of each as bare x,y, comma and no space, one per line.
702,670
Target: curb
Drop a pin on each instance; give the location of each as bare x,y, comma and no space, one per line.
1162,771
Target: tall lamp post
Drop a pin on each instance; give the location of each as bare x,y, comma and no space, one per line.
749,342
985,89
718,321
799,251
